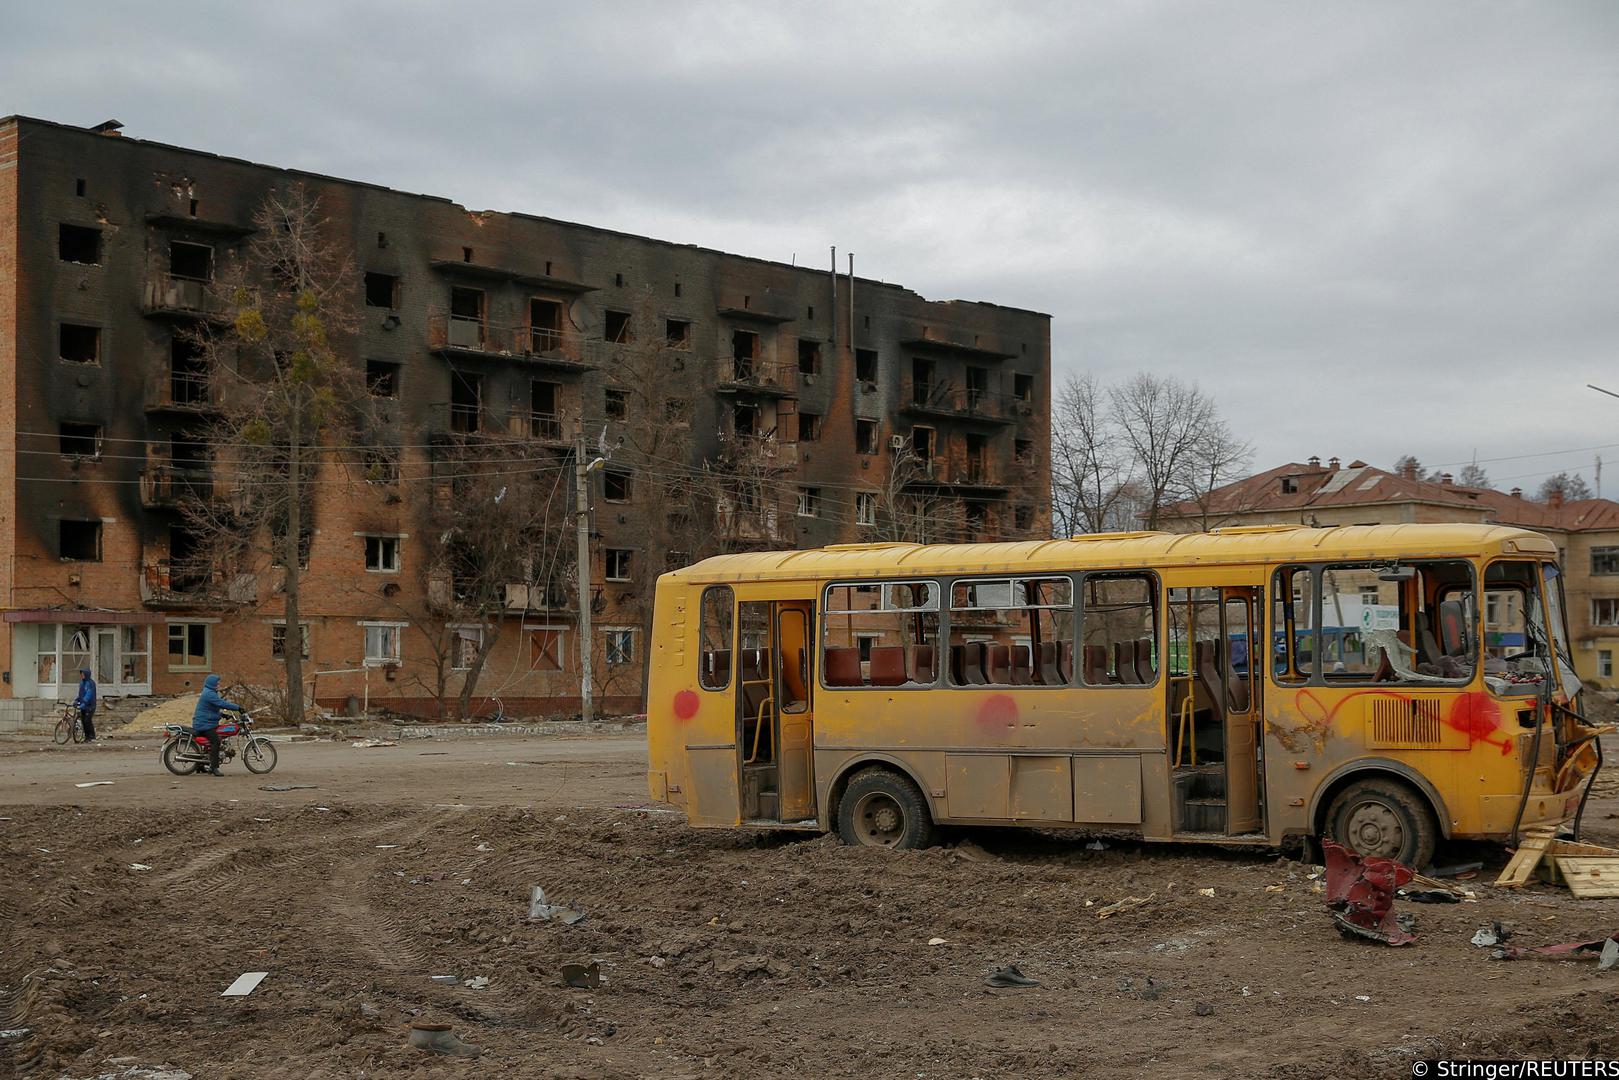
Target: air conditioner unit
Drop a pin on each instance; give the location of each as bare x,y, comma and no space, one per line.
896,442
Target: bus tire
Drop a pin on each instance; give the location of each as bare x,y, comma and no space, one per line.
1380,816
880,808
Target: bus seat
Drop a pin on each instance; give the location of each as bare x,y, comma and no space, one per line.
972,663
1095,669
1237,689
1022,665
753,664
922,664
1428,648
843,667
1453,628
1145,670
1124,663
997,664
1046,672
888,665
1208,674
1065,662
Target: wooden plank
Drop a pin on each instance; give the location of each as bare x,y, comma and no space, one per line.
1574,847
1590,877
1531,849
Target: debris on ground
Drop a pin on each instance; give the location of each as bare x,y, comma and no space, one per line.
1203,1008
370,744
1458,870
477,982
1360,895
539,908
245,984
1205,892
1428,890
1096,845
439,1038
1494,934
1595,949
1129,903
286,787
973,853
583,976
1009,975
139,866
753,964
95,783
937,941
1591,871
444,980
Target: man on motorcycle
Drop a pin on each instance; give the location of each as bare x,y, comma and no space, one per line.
205,719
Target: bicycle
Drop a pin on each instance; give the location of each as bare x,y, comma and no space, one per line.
70,727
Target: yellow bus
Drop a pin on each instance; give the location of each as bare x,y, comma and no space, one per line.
1387,686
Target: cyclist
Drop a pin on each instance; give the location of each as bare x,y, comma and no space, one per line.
86,704
206,718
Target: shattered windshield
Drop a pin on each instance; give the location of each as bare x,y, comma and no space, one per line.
1518,645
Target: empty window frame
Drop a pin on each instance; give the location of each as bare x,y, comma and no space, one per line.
382,643
1293,624
189,646
865,365
867,436
809,357
616,327
1118,629
193,262
382,291
616,403
382,554
79,440
865,508
677,333
79,344
78,244
809,502
1422,629
1604,611
1023,386
382,378
278,641
381,464
79,541
1012,632
719,604
880,634
544,324
465,648
923,443
617,486
809,427
618,563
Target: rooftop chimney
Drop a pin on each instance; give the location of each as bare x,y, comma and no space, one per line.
1315,461
1446,478
1554,500
1516,493
109,127
1332,463
1409,472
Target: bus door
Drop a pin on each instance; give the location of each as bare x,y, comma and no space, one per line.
775,721
1213,689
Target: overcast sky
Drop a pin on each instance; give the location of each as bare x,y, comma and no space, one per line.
1368,229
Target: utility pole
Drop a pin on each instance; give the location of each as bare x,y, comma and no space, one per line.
581,472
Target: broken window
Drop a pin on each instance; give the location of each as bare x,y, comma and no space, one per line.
809,502
977,388
278,641
1023,517
468,644
382,291
617,563
545,325
865,365
188,450
466,402
545,649
867,434
744,353
79,344
674,410
382,643
809,427
977,465
745,419
809,357
714,671
194,262
188,646
1290,484
382,554
677,333
1023,386
616,327
865,508
922,442
616,485
466,317
188,371
977,517
381,464
1011,632
617,403
1023,450
79,541
78,244
382,378
921,380
620,645
1118,630
880,634
80,440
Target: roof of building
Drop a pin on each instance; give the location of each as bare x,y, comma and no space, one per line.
1236,545
1317,486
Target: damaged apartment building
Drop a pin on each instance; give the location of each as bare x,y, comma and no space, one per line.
816,407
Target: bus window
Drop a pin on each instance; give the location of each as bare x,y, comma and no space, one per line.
1412,622
880,634
715,669
1011,632
1119,630
1293,624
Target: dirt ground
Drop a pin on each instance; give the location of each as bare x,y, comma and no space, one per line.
723,954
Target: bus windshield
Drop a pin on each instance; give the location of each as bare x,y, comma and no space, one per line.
1518,644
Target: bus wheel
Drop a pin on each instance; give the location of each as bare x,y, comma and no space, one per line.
1383,818
883,809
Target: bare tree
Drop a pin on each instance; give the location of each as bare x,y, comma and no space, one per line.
1571,487
1163,422
280,389
911,508
1473,475
1217,458
1091,469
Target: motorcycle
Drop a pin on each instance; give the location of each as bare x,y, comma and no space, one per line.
184,753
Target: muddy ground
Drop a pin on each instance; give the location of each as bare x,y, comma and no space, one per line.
723,954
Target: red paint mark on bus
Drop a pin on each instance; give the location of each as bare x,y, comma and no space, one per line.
1477,716
998,710
686,704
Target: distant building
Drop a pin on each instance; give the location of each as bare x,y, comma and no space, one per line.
485,329
1586,532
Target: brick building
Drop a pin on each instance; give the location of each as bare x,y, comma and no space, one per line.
505,332
1586,531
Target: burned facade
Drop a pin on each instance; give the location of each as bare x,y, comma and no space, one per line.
737,403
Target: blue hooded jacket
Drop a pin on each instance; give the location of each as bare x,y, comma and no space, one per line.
210,705
86,701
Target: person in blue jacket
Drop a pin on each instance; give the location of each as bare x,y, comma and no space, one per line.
86,704
210,706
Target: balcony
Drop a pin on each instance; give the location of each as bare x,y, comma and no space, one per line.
548,599
180,391
538,345
752,374
945,473
169,295
167,486
969,403
556,429
165,585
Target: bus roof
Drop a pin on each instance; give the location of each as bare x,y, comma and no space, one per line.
1235,545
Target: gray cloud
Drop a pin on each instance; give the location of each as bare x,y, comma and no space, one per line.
1368,228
